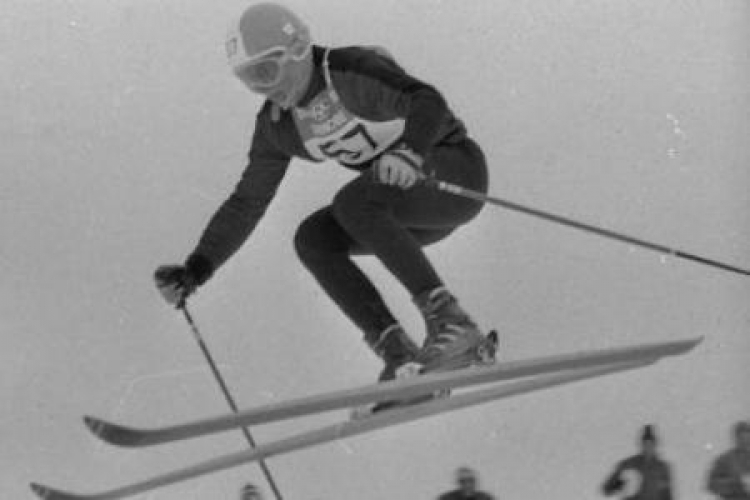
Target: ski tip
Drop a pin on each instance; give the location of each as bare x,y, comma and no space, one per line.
691,342
676,347
110,432
41,491
94,424
48,493
99,427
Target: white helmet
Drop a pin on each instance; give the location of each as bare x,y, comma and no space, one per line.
263,40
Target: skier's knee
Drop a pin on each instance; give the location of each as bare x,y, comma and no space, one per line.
306,241
347,201
355,206
318,237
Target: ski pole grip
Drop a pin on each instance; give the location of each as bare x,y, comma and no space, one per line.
431,181
428,180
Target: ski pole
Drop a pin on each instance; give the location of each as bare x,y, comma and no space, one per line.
225,390
475,195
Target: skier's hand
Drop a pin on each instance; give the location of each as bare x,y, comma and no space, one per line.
177,282
400,167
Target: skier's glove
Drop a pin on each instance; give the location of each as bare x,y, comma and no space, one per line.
400,167
177,282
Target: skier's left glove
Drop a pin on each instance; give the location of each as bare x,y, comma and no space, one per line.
177,282
399,166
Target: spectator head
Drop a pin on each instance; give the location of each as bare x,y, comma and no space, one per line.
250,492
466,479
648,440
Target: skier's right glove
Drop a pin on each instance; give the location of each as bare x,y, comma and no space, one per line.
177,282
399,166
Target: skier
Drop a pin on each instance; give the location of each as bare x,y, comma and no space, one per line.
357,106
644,476
729,476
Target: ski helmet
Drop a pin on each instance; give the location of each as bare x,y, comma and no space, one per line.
262,40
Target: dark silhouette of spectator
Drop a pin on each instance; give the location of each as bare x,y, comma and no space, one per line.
729,475
644,476
250,492
468,487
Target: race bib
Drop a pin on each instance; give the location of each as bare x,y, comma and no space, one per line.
330,131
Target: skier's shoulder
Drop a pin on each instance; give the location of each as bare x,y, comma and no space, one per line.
273,132
365,60
357,54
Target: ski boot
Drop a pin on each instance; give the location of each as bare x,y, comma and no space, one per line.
453,339
398,352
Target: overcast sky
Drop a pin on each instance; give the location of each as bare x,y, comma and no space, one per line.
123,131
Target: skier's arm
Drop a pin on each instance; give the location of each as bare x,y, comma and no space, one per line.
239,214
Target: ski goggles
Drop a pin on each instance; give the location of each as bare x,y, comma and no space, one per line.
266,69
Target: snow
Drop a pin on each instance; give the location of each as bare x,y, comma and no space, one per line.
124,130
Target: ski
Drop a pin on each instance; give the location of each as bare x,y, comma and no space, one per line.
348,428
122,435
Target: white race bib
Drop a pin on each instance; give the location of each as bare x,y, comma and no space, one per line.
330,131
